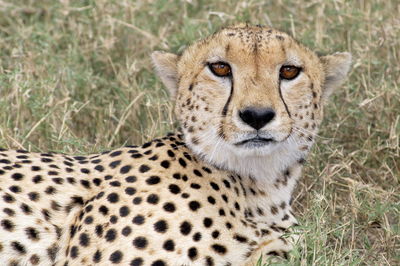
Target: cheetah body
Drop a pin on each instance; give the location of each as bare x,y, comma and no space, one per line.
196,198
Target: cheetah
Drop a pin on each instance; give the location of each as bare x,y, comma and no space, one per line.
249,100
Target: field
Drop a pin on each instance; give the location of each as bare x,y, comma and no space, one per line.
75,77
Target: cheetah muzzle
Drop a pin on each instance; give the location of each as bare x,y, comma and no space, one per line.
249,101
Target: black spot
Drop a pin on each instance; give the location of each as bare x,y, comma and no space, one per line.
18,247
138,219
219,248
165,164
58,180
52,252
161,226
116,256
99,168
140,242
211,200
228,225
37,179
114,164
153,199
124,211
207,222
192,253
136,155
209,261
197,237
153,158
197,172
85,183
9,211
130,191
83,170
46,160
113,219
239,238
50,190
126,231
7,225
169,245
158,263
224,197
169,207
96,181
194,205
88,220
182,162
97,256
144,168
215,234
113,197
214,186
99,230
174,189
77,200
8,198
125,169
195,186
17,176
84,240
115,153
146,145
227,184
137,262
137,200
115,183
36,168
131,179
103,209
15,189
176,176
111,235
185,228
26,209
153,180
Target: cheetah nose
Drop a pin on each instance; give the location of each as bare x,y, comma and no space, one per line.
257,117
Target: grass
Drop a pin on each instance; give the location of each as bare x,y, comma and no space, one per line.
75,77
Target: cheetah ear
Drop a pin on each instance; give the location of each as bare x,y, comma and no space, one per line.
336,67
166,66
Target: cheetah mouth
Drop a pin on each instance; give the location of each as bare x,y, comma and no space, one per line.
255,142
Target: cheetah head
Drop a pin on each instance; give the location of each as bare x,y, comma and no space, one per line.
249,94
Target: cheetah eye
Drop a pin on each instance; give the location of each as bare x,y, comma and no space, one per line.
289,72
220,69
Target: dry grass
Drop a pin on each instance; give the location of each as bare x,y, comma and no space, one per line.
75,77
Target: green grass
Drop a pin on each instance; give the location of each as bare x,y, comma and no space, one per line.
75,77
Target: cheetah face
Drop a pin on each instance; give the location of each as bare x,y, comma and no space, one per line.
249,92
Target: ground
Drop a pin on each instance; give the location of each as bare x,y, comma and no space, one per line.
76,77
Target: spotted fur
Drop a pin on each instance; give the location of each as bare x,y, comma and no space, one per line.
211,195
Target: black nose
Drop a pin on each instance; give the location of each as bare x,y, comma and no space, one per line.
257,117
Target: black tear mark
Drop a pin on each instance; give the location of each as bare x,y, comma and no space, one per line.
225,109
280,95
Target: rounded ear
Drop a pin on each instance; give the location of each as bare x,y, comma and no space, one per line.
336,67
165,65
